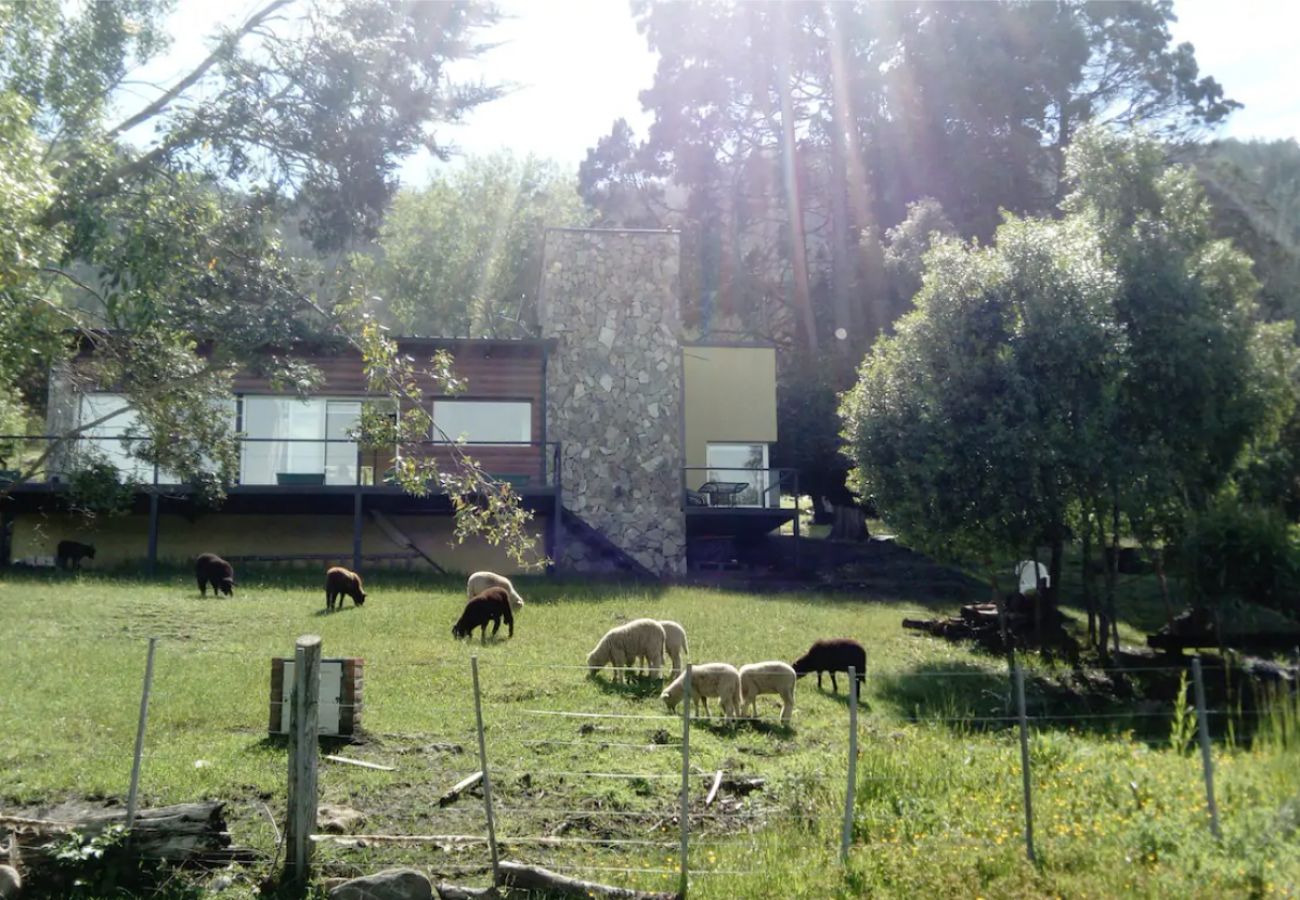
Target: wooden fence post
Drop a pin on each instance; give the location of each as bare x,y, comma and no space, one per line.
1203,732
133,794
304,747
683,878
850,791
1024,762
487,779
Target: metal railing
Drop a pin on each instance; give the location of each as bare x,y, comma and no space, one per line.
730,487
51,461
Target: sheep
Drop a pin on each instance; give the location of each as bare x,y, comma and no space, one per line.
707,680
212,569
481,581
69,554
771,677
492,605
624,645
833,655
340,583
674,644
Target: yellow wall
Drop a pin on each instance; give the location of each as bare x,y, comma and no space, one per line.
730,397
125,539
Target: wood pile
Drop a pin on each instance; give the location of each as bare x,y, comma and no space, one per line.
1028,623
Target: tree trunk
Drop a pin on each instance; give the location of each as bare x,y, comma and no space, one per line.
1158,559
1085,572
794,206
1112,575
850,524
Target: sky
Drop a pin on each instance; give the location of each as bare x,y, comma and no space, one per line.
577,65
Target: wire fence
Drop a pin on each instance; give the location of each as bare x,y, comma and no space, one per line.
498,768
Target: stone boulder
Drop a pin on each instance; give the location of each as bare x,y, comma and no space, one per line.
394,884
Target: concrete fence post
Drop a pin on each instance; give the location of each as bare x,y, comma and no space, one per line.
487,778
1024,762
1203,732
132,797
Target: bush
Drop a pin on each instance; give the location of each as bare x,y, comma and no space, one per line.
1238,552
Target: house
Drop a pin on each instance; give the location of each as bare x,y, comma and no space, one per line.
627,442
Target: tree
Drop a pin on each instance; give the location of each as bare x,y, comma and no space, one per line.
1099,370
151,238
789,136
463,255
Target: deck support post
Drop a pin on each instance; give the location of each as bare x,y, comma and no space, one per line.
152,557
356,531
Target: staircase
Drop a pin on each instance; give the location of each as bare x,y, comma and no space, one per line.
608,551
400,538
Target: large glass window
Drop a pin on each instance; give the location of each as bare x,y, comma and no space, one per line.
287,441
740,464
105,440
483,421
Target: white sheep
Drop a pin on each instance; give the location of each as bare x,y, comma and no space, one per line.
481,581
675,644
707,680
771,677
625,645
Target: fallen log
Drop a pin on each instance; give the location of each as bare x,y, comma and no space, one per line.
445,891
455,892
459,788
535,878
186,834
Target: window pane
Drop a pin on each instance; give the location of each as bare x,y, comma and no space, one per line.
483,422
295,427
341,416
736,463
104,439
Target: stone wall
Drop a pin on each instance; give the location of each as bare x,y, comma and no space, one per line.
614,390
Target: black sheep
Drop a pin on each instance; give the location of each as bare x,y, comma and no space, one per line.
212,569
69,554
492,605
833,655
340,583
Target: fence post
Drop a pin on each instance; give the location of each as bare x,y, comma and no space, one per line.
304,710
1203,731
487,780
686,781
846,836
133,795
1024,762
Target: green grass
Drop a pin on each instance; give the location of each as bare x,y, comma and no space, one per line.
938,812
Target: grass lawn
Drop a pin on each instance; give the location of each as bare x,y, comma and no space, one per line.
939,802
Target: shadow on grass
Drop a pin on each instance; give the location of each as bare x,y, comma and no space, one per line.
636,687
328,743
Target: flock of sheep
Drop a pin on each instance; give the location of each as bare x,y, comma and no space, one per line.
645,642
493,600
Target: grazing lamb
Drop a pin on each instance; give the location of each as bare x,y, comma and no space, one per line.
674,645
625,645
833,655
481,581
69,554
212,569
340,583
492,605
707,680
771,677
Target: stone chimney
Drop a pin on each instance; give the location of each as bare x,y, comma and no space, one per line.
610,300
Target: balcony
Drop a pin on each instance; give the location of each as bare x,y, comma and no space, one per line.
275,467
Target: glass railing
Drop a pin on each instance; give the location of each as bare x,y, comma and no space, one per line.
273,461
720,487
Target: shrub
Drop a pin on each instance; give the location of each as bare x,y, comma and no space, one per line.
1236,551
